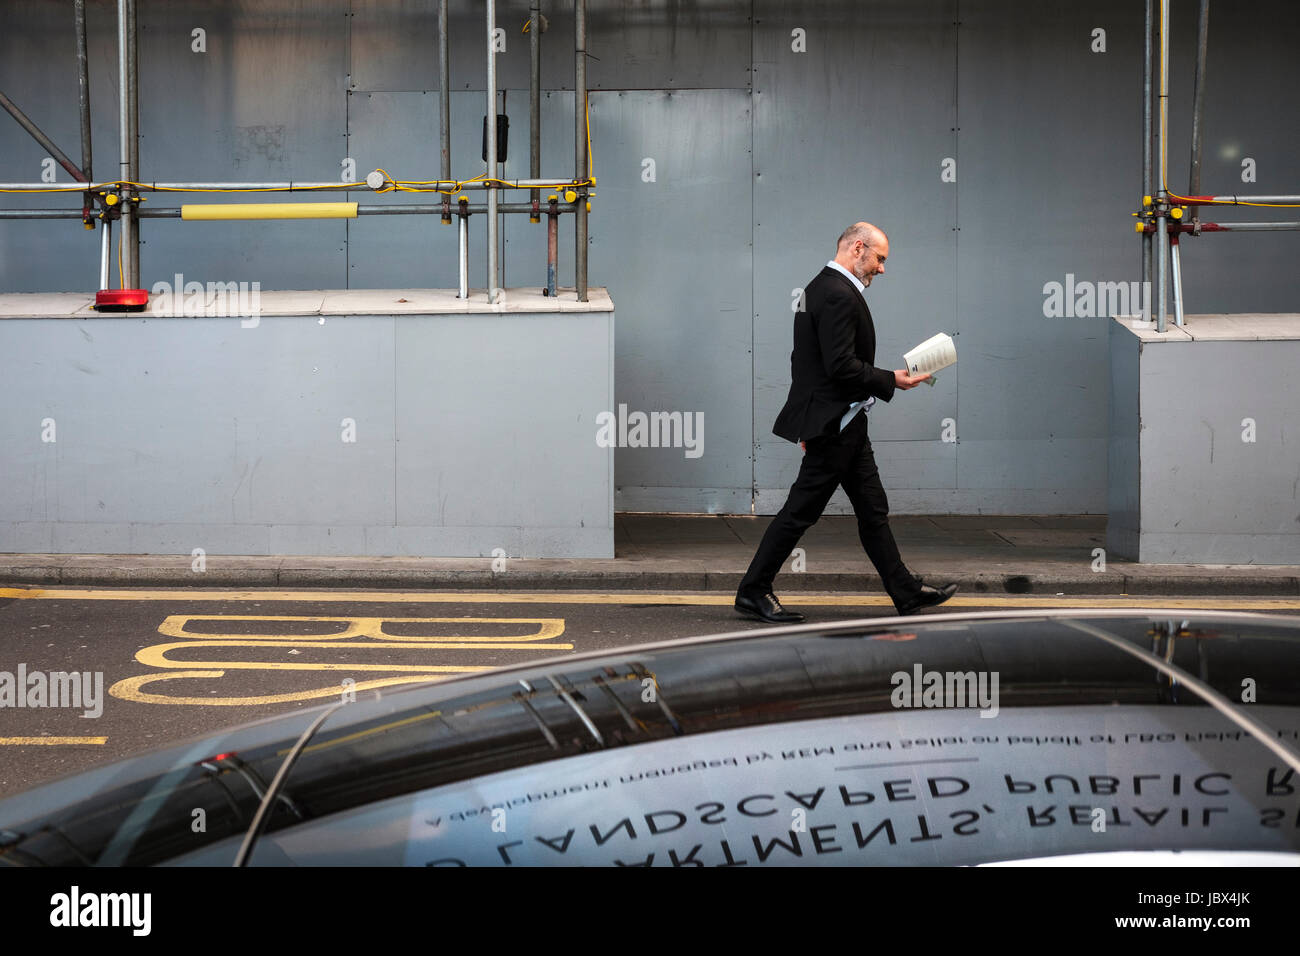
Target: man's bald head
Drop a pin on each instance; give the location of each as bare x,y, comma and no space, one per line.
862,251
869,234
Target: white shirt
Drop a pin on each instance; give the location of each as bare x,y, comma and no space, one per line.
871,400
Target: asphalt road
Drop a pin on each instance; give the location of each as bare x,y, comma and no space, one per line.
164,665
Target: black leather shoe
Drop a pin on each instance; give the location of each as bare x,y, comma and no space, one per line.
766,608
929,597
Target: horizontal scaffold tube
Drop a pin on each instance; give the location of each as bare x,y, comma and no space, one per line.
213,212
1190,227
285,187
409,209
1233,200
1243,227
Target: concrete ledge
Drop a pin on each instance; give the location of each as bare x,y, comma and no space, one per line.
621,574
286,302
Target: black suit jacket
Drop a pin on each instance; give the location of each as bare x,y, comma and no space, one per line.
831,365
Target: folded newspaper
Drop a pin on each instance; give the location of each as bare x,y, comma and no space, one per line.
934,353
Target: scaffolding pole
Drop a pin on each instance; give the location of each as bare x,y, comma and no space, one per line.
444,104
410,209
1239,227
130,208
1162,130
38,134
125,132
106,253
83,96
1198,101
1148,185
535,96
494,266
287,186
580,145
462,230
1175,264
1235,200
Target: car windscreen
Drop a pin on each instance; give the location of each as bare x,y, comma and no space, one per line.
955,742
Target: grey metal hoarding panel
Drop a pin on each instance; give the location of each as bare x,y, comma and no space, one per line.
667,45
1049,136
266,101
168,423
631,45
347,435
399,132
1217,487
856,126
393,44
677,250
497,429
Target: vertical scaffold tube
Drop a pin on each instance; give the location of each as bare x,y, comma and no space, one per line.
463,229
444,106
1178,279
1148,186
535,96
133,71
83,87
444,94
1198,103
580,147
552,246
494,267
105,253
125,133
1162,232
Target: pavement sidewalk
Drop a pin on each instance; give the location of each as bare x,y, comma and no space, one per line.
998,554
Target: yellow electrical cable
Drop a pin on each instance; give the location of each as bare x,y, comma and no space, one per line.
591,167
400,185
406,185
1232,202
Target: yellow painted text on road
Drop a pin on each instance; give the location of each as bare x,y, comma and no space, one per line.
369,637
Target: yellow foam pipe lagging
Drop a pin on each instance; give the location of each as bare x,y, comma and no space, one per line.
269,210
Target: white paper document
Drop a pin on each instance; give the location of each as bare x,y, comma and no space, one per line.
935,353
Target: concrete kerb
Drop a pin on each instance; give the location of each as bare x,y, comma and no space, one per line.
1114,581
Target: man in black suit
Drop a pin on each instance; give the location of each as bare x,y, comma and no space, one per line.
833,386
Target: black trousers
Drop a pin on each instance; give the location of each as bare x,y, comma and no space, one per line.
842,459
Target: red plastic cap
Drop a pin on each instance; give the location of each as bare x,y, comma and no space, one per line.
122,300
